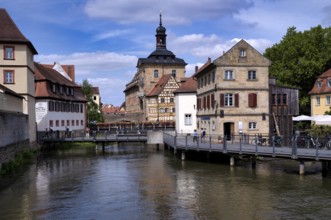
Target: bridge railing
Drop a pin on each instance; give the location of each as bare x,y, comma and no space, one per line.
220,142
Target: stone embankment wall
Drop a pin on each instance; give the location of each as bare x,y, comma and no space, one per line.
14,135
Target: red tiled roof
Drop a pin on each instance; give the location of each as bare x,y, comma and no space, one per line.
323,78
189,86
203,67
158,88
9,33
44,76
95,90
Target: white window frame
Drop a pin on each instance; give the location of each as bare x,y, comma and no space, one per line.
242,53
228,99
252,125
228,75
251,75
156,73
327,100
188,119
9,52
318,101
9,77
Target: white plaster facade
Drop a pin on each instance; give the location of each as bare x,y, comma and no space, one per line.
186,120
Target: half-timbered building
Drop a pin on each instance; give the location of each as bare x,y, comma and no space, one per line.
159,63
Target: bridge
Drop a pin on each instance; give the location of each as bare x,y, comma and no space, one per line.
250,146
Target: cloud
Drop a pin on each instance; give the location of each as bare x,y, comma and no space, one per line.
178,12
112,34
108,70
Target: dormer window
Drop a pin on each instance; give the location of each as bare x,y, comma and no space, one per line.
319,84
329,82
53,87
242,53
61,90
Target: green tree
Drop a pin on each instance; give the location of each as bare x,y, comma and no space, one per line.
299,58
93,110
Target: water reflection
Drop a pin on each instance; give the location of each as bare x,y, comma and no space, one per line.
138,182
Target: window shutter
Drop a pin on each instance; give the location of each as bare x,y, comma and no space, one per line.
236,100
204,102
208,101
221,100
212,101
252,100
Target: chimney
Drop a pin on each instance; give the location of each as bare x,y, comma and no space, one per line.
196,69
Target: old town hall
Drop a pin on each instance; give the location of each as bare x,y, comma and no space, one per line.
150,94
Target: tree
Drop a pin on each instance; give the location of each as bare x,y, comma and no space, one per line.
299,59
93,110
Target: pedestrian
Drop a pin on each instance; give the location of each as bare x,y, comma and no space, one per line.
195,136
87,130
203,135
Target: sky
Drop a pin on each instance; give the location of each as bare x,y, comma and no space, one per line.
105,38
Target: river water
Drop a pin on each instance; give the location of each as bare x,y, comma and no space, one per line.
139,182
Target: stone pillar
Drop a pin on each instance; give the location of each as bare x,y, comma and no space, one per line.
183,155
302,167
232,161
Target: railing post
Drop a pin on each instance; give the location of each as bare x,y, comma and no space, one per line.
209,142
294,148
316,158
240,145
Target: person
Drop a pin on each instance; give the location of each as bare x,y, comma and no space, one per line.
67,132
46,133
87,130
203,135
195,136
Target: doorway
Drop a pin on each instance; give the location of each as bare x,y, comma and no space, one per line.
228,130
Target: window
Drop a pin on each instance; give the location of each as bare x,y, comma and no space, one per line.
318,100
251,75
162,100
242,53
284,99
61,90
161,110
8,76
51,123
51,106
228,101
213,77
173,73
329,82
319,84
53,87
252,125
173,109
171,99
156,73
188,119
228,75
9,53
327,100
94,97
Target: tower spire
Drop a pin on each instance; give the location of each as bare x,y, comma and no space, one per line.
161,36
161,18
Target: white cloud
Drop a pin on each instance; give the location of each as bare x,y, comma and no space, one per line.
178,12
107,70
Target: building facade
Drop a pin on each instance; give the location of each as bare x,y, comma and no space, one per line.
233,93
17,67
60,103
186,102
320,94
160,101
150,71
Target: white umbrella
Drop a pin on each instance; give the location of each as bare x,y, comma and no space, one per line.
325,120
302,118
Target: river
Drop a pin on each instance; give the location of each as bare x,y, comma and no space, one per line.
139,182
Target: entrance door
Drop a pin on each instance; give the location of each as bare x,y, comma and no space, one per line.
228,130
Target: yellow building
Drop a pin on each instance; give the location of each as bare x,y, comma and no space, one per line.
320,94
17,67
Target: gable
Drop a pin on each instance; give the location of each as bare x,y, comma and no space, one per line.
242,54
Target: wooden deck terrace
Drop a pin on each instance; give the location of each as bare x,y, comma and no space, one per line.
243,146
